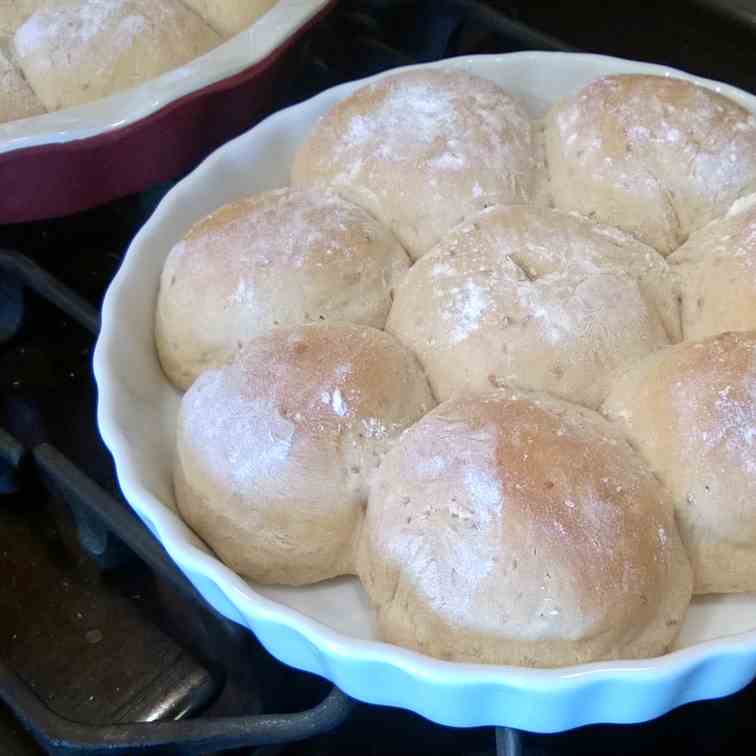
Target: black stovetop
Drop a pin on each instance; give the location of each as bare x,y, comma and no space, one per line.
101,635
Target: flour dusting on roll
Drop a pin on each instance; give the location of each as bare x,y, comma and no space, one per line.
73,53
528,296
282,257
691,410
422,150
656,156
515,528
276,449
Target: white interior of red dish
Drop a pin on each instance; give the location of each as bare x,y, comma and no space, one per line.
251,46
328,628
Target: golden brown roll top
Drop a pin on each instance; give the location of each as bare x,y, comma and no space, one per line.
515,528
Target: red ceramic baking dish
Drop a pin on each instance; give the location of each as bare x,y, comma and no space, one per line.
63,162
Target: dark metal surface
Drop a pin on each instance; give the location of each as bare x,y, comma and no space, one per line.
690,35
11,453
42,283
11,306
14,740
89,650
496,22
508,742
741,11
100,517
192,736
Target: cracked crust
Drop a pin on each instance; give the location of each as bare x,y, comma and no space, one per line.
534,297
717,274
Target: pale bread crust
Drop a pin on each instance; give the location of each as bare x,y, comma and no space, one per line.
523,295
658,157
515,528
275,451
229,17
533,297
16,97
691,411
283,257
78,52
13,13
423,150
717,274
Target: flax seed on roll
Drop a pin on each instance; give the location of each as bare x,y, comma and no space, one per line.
283,257
534,297
515,528
717,271
691,410
656,156
275,449
422,150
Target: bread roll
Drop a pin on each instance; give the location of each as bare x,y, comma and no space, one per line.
520,529
229,17
283,257
92,48
422,150
717,269
16,98
655,156
536,298
274,450
691,410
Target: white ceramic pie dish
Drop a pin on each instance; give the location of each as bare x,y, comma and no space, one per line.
328,628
